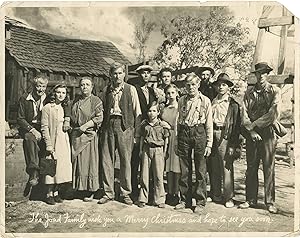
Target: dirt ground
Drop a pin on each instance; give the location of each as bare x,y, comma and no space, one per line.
78,216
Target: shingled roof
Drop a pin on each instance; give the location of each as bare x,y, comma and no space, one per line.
47,52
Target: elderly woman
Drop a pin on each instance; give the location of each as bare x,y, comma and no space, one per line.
86,118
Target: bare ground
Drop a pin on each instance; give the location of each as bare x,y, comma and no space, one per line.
77,216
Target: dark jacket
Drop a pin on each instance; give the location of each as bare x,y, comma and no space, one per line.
232,125
143,101
25,114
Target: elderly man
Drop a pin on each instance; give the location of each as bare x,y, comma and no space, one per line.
261,111
122,114
194,133
29,120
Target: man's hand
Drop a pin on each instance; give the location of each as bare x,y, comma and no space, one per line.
36,134
230,151
140,154
255,136
66,126
207,151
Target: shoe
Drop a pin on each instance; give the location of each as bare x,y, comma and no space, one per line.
27,189
104,200
247,204
50,200
209,199
34,178
199,209
161,205
272,209
127,200
180,206
141,204
58,199
229,204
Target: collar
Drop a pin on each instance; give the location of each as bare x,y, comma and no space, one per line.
117,89
31,98
267,87
225,99
198,96
155,124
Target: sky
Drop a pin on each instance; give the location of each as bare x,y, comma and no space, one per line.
115,23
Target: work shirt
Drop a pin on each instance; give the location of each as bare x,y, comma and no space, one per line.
155,133
195,111
37,107
219,110
261,107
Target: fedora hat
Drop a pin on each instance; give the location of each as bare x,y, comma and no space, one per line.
144,68
262,67
201,69
223,77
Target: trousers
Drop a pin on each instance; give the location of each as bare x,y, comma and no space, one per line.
192,139
115,138
264,150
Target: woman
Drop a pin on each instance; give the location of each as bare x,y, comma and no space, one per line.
169,114
86,118
57,142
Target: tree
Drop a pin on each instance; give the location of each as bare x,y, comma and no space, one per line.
142,32
216,40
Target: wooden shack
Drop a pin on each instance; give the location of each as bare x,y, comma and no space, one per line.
29,52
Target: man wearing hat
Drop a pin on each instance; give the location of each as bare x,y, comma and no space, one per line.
261,110
146,95
226,130
206,74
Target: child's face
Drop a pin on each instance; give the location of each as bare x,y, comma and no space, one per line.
60,94
171,93
222,88
153,113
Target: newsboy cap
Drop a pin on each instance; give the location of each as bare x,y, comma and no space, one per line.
144,68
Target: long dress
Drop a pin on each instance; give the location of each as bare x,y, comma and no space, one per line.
85,154
52,124
169,114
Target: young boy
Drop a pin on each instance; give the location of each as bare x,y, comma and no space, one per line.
227,127
194,133
153,149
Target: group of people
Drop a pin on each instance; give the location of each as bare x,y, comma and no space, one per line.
152,130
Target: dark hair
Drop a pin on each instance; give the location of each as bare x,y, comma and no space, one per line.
153,104
165,70
51,96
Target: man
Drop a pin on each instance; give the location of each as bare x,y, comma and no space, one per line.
122,114
206,88
194,133
261,110
146,96
29,120
165,76
227,123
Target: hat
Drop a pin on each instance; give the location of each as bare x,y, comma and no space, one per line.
201,69
144,68
223,77
262,67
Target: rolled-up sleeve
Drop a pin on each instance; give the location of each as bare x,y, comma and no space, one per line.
98,118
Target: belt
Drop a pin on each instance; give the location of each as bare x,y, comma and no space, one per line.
190,127
218,128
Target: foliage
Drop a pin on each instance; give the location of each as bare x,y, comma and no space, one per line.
216,40
142,32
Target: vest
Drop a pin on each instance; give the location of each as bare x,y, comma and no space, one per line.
143,101
126,106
